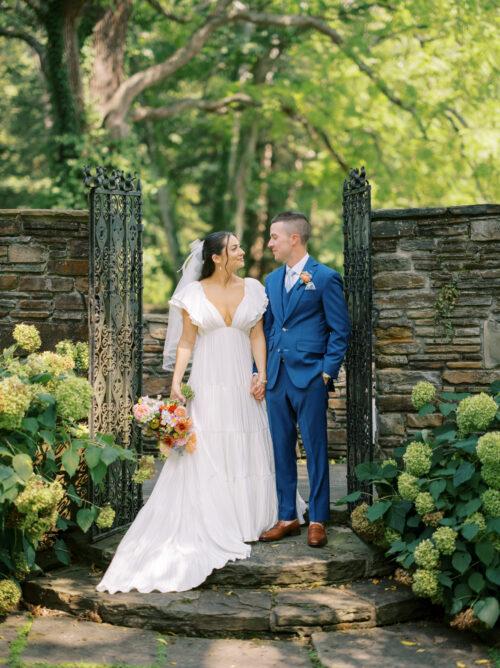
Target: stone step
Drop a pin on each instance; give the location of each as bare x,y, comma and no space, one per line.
287,562
229,612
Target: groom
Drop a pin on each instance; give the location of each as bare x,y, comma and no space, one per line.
307,330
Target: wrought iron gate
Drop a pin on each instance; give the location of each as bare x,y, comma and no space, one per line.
358,285
115,329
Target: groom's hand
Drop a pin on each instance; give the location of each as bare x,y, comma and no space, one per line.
257,389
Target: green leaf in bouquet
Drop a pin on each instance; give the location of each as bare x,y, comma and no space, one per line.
23,466
493,524
470,531
446,409
464,472
109,455
349,498
493,575
436,487
427,409
461,561
187,391
485,551
92,455
70,460
62,552
445,580
476,582
85,517
487,610
378,509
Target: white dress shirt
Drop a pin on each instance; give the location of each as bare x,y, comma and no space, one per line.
293,273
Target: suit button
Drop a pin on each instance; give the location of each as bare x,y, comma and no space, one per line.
284,329
279,350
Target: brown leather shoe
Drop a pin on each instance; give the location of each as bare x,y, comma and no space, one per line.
316,535
280,530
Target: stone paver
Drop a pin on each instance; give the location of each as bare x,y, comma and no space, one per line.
205,653
65,640
9,629
363,604
416,645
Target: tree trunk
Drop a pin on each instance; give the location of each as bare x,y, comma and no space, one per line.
71,18
108,41
259,243
242,176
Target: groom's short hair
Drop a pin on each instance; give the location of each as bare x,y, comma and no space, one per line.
295,222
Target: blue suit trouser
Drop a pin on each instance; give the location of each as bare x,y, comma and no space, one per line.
287,406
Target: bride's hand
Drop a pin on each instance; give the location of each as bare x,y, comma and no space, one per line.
258,388
176,394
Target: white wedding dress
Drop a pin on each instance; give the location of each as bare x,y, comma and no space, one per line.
207,505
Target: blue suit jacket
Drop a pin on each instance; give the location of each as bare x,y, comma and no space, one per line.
312,334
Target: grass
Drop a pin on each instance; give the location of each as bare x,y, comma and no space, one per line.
18,645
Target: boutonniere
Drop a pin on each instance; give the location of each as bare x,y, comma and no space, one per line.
306,278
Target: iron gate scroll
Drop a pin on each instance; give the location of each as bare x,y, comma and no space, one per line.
115,330
358,285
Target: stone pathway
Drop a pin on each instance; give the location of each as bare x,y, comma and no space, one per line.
61,639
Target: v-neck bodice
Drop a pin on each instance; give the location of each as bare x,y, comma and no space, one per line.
217,310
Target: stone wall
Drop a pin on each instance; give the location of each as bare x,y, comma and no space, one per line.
157,381
415,253
44,273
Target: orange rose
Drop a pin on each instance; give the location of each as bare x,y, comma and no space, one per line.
180,411
305,277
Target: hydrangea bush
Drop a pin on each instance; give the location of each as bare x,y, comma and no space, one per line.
437,512
43,445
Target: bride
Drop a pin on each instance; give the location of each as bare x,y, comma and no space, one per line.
206,506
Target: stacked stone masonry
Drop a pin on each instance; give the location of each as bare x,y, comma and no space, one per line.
44,273
415,253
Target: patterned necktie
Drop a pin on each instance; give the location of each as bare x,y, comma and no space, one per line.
290,273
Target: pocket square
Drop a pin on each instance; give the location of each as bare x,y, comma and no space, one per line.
310,286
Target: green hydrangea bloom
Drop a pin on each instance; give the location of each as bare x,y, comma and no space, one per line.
391,536
488,448
73,396
27,337
38,504
15,398
422,393
476,518
145,469
490,473
476,413
424,503
370,531
426,583
106,517
444,539
10,595
417,458
491,502
82,356
66,348
408,487
426,555
49,362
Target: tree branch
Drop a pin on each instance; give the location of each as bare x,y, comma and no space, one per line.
239,100
30,40
168,15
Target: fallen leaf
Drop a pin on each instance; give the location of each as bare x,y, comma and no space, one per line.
408,643
375,581
460,664
482,662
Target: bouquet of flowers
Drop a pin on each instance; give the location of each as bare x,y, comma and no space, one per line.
168,421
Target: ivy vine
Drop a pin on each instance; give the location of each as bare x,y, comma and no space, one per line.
443,308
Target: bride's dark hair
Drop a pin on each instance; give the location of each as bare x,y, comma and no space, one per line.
213,244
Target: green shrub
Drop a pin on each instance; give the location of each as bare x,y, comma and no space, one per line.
44,448
441,498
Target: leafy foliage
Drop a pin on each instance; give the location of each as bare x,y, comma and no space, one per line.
445,511
44,451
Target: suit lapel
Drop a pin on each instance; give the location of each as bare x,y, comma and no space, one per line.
298,289
277,289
